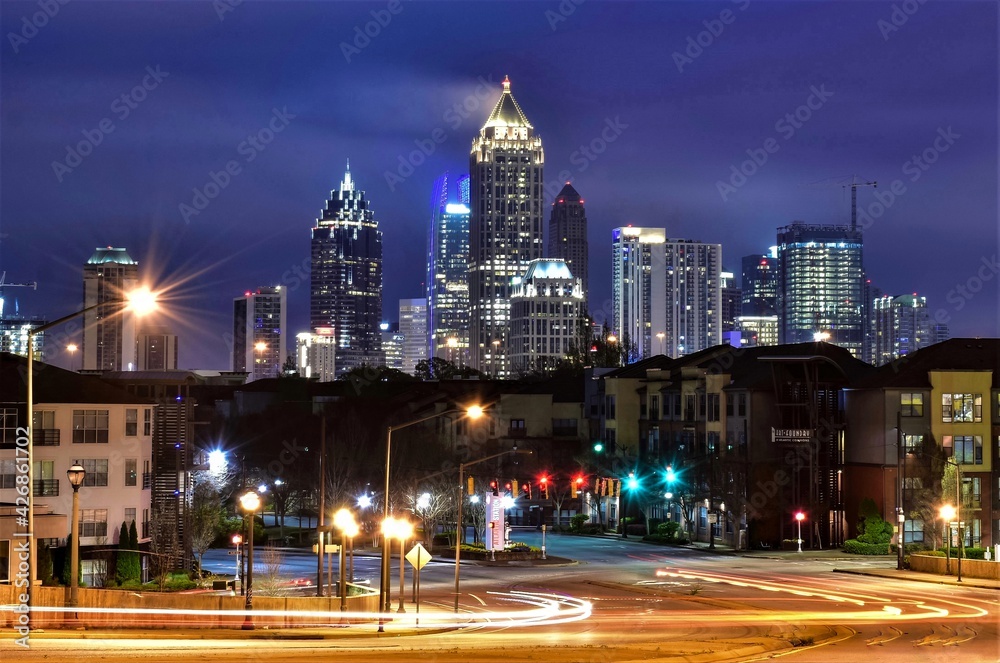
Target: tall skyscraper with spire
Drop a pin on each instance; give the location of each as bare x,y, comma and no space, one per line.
346,278
568,234
505,230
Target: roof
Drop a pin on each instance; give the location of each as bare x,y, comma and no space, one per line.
56,385
753,366
547,268
568,194
111,255
957,354
507,113
639,368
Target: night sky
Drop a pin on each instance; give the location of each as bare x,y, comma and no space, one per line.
881,93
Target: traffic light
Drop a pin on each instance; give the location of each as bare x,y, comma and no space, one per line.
472,486
493,486
633,483
576,486
598,447
543,484
513,488
527,489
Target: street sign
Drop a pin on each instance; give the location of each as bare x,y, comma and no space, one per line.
713,518
418,556
329,548
231,552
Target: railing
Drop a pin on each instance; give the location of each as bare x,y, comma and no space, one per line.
45,437
518,433
147,480
46,487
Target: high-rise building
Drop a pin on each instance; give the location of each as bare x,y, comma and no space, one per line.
693,288
545,311
259,345
759,290
413,327
392,345
109,331
820,285
14,335
448,271
639,288
568,235
157,349
757,330
505,229
317,355
901,325
346,277
731,301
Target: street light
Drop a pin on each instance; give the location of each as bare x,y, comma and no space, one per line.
344,521
75,475
140,302
799,517
473,412
947,516
404,532
250,503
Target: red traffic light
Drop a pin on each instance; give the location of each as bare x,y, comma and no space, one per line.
579,480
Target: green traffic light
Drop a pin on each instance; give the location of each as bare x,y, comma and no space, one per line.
598,447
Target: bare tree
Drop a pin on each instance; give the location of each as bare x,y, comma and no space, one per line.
432,506
164,548
267,571
206,517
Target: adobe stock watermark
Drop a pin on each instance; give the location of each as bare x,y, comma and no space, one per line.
588,152
913,168
786,127
453,117
30,25
223,7
714,28
249,149
565,9
898,17
363,35
122,108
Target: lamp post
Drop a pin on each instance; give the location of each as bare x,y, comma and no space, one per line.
344,521
75,475
459,528
947,514
799,517
473,412
140,302
250,503
404,531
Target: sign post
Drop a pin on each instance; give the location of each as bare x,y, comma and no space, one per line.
418,558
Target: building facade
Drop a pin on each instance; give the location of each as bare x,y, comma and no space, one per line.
392,345
505,228
346,277
900,325
759,292
545,310
639,288
413,327
157,349
568,235
757,330
259,337
448,271
693,293
109,331
316,355
730,301
820,285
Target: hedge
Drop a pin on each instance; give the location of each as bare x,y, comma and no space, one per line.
970,553
855,547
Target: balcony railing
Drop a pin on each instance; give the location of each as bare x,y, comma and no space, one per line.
46,487
517,433
45,437
147,480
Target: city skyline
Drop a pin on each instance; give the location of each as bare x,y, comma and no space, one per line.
874,110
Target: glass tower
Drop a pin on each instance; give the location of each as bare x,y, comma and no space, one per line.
448,271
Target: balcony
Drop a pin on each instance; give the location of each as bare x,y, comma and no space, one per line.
147,480
517,433
46,487
45,437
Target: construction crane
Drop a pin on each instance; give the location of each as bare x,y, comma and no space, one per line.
3,284
854,198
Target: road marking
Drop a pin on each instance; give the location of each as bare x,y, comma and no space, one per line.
881,639
478,599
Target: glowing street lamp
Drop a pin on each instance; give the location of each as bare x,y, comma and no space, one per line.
947,516
799,517
344,521
250,503
75,475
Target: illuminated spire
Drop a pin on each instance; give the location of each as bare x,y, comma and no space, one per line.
347,184
507,113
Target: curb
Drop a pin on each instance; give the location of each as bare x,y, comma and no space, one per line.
974,583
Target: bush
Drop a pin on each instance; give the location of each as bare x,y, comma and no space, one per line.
577,521
857,547
668,529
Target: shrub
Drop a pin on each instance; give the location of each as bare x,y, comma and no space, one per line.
858,547
668,529
577,521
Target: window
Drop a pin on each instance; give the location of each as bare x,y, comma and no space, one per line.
912,443
972,494
97,471
131,471
93,522
609,411
689,407
517,424
90,426
961,408
913,531
8,425
654,408
713,407
968,449
712,441
129,516
973,533
147,422
131,422
46,485
741,405
44,419
653,441
729,405
911,404
8,473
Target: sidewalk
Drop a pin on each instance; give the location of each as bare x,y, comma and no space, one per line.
916,576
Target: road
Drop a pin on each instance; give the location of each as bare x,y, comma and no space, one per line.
648,603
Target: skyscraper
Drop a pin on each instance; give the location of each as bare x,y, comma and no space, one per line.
639,288
546,307
156,349
759,290
109,332
568,235
259,336
820,285
346,277
693,291
448,271
317,355
413,327
901,325
731,301
505,229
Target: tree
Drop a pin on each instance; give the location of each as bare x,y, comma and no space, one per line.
432,507
289,368
437,368
206,518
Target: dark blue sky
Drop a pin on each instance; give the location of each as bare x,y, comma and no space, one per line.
885,96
